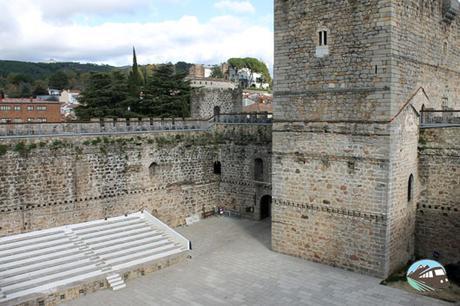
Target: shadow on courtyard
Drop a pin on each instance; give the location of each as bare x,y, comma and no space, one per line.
259,230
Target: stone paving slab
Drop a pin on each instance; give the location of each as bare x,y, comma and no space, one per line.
233,265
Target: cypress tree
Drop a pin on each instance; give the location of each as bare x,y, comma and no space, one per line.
135,79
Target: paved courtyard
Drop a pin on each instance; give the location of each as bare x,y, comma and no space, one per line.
233,265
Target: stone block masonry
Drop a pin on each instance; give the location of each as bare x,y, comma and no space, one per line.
437,233
345,162
53,181
207,102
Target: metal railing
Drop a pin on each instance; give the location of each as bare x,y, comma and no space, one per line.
439,118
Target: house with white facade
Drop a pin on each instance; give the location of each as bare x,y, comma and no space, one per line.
69,96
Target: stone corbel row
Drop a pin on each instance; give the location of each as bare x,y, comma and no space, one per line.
331,210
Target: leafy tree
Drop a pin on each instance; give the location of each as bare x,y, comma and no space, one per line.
18,78
22,90
105,96
59,80
217,73
183,67
146,71
167,94
40,88
25,90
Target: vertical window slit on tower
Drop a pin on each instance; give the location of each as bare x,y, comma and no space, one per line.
322,36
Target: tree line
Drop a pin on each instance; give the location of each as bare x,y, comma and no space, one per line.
163,93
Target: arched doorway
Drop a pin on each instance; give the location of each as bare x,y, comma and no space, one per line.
265,207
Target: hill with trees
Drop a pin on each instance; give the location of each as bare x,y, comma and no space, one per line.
25,79
36,71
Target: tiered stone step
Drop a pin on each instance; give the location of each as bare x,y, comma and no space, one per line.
34,262
44,260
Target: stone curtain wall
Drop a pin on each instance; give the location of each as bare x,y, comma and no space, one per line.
239,189
204,100
438,211
53,181
103,126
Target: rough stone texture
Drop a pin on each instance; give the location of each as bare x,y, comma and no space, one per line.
53,181
104,126
438,213
204,100
346,125
240,191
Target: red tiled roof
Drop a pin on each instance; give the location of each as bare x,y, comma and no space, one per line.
258,108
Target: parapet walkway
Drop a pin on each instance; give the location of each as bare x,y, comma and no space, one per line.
42,261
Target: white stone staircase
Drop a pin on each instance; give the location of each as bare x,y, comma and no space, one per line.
116,282
41,261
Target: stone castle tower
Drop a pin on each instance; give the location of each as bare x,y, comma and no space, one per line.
350,79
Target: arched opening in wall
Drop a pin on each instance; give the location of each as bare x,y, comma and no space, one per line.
217,167
265,207
259,169
153,168
410,188
216,111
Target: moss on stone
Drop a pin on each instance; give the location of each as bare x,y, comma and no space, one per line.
3,149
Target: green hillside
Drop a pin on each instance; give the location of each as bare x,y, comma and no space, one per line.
44,70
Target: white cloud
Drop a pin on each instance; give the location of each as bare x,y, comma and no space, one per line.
58,10
235,6
29,35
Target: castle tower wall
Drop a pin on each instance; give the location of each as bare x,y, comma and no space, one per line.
346,127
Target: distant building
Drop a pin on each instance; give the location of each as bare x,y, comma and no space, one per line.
258,108
247,78
69,96
68,111
29,110
47,98
208,71
54,92
205,71
196,71
257,102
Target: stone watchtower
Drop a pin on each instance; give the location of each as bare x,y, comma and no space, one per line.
350,79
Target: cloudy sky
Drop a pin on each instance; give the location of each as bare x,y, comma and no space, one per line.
104,31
